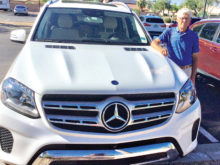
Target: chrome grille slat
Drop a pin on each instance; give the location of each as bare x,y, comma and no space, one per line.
135,117
72,118
85,116
71,109
148,107
163,102
147,117
145,121
69,123
63,106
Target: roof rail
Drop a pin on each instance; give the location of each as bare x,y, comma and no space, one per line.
76,1
117,3
53,1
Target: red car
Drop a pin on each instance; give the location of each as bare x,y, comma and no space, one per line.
208,31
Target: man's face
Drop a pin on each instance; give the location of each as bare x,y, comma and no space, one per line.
183,22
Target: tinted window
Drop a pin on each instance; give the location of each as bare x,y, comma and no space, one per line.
197,28
208,31
193,20
154,20
20,7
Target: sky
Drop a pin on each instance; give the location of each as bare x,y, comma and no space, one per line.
177,2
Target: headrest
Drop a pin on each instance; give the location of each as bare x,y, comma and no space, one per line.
110,23
65,21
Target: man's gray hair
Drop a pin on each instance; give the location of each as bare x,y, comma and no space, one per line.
182,11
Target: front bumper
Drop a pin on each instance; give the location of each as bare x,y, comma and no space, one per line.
21,12
152,153
30,136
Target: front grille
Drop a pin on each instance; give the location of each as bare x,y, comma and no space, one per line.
6,140
83,113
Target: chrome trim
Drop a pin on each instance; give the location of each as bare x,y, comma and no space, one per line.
66,117
47,157
60,105
135,117
82,122
155,106
71,123
146,118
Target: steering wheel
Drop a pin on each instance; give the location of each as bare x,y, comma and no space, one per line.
114,36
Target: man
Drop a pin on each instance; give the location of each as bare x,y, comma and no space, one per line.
182,44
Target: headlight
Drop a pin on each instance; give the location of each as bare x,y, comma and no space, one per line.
19,98
187,97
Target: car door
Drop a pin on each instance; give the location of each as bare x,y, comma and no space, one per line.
208,55
216,55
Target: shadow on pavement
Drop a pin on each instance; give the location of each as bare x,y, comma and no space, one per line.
208,91
3,30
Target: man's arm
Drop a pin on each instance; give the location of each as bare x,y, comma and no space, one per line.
194,67
156,45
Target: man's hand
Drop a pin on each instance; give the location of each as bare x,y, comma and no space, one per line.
164,52
156,45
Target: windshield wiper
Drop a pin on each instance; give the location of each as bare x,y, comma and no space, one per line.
54,40
93,41
43,40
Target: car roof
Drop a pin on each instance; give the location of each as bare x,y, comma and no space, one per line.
151,16
207,21
112,6
210,19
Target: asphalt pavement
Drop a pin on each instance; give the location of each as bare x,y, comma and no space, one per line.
204,154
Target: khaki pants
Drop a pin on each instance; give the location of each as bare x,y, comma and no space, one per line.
188,71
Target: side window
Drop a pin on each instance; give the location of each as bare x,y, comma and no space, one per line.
208,31
193,20
197,28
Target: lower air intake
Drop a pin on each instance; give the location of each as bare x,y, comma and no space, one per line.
6,140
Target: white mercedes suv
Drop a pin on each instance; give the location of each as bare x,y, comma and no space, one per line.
88,88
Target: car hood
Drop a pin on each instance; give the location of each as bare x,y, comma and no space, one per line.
91,69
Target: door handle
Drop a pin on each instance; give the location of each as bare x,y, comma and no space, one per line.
213,49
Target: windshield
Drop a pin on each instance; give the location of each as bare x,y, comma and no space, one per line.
72,25
20,7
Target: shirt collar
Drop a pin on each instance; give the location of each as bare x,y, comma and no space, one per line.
177,30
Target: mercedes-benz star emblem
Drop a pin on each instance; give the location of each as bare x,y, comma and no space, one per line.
115,116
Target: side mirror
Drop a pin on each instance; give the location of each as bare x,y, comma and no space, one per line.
18,36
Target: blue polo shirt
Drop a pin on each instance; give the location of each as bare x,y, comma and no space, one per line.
180,46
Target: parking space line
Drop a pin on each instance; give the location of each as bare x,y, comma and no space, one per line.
208,135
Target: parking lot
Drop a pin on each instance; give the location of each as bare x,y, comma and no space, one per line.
208,89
